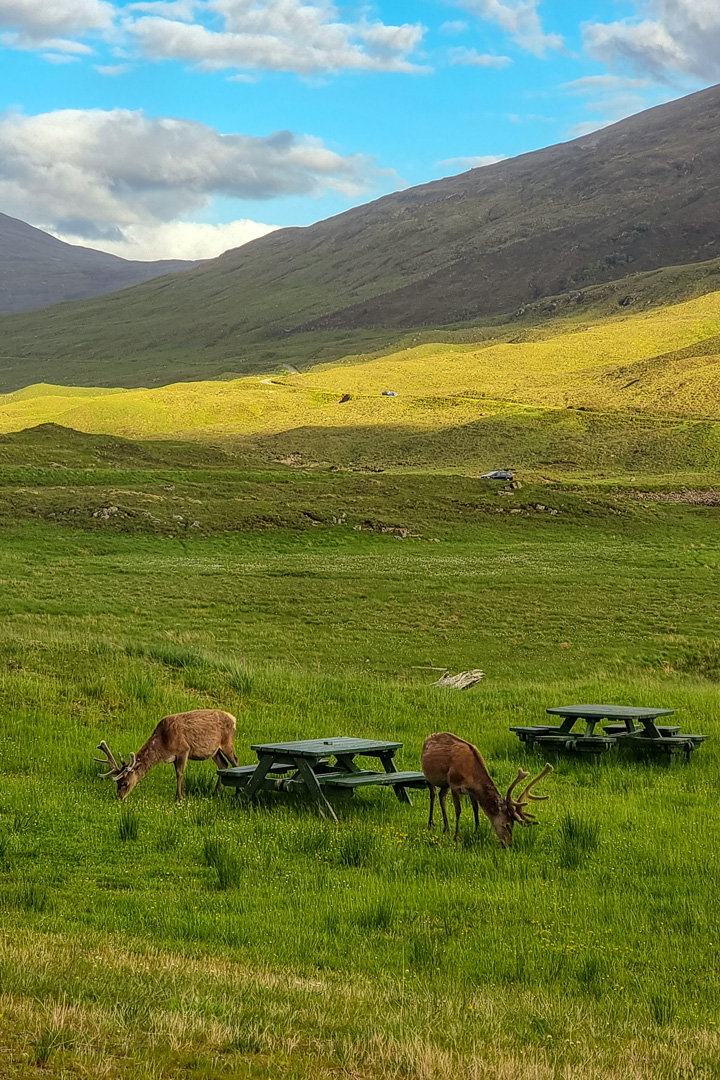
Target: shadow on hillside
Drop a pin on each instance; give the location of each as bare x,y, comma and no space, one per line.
555,439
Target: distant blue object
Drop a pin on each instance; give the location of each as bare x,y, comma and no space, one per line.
389,393
498,474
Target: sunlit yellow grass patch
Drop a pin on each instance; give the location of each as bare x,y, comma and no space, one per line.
626,363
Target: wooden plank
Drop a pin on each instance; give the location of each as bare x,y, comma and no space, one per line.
411,779
239,774
539,729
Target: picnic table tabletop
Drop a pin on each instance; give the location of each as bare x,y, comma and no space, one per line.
313,774
608,712
316,748
627,714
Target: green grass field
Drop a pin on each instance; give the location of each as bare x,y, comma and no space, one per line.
257,545
205,941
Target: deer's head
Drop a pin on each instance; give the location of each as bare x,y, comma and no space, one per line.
511,810
125,774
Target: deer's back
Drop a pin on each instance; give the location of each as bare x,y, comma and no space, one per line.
444,755
200,731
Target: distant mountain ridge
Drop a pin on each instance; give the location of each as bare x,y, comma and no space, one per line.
634,197
37,270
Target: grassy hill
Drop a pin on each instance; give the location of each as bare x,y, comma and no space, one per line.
632,391
472,249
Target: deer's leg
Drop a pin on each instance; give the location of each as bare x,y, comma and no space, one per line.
431,822
219,759
456,804
228,749
180,762
475,806
443,797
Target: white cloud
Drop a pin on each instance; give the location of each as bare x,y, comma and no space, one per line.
97,176
112,70
474,162
519,19
604,83
529,118
300,36
37,22
60,58
59,45
614,97
455,26
183,10
175,239
276,35
586,127
669,38
472,57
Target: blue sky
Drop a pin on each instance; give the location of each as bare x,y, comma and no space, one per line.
178,128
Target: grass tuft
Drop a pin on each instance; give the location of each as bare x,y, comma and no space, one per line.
128,824
47,1041
224,862
663,1008
579,836
356,844
33,896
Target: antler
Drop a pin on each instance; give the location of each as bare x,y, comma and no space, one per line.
517,807
116,771
536,798
109,760
521,775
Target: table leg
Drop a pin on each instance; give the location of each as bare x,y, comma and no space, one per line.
255,781
589,728
345,761
314,790
650,732
388,761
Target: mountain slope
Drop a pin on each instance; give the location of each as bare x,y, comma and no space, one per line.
37,270
642,194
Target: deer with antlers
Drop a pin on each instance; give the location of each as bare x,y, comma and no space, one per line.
177,739
451,764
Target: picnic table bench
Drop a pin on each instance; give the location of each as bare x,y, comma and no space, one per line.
320,768
630,728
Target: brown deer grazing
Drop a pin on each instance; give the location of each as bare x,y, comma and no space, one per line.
450,763
194,736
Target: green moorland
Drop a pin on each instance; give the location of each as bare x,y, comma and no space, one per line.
150,940
569,393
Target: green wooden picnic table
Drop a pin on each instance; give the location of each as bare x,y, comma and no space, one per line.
321,767
623,725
